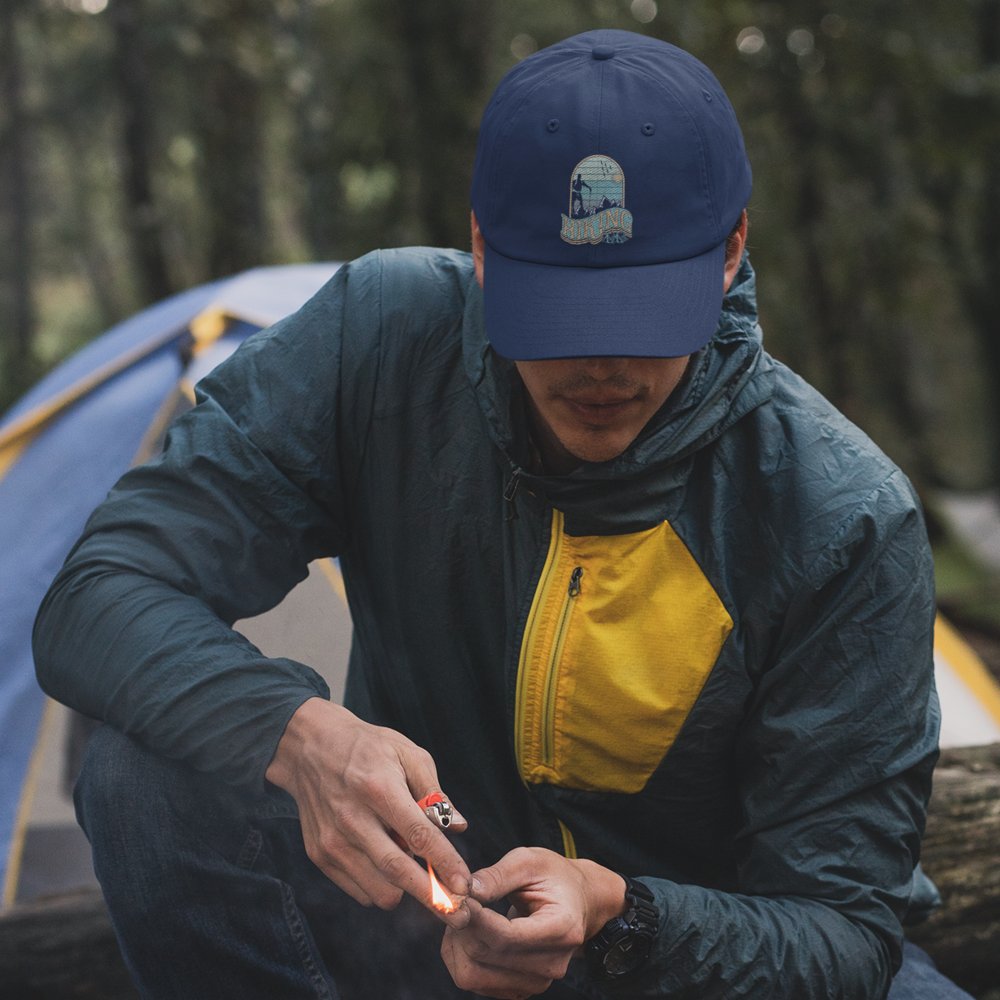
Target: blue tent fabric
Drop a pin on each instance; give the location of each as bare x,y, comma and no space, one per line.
77,452
166,320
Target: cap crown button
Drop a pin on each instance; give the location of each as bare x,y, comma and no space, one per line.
603,51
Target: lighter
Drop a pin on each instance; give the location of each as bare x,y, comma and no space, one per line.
437,808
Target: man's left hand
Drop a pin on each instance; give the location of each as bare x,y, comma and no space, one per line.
557,904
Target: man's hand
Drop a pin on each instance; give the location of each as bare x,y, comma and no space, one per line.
557,904
357,787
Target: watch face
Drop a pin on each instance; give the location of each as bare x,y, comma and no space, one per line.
625,955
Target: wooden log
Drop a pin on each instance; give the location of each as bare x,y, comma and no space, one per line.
62,948
65,948
961,854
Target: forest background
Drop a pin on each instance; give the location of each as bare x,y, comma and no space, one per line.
150,145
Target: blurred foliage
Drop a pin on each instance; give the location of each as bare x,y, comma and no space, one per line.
967,589
147,145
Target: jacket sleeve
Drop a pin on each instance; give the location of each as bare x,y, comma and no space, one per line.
835,757
135,629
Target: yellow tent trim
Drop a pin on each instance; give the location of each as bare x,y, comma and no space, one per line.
207,327
36,418
10,453
171,407
211,323
967,666
333,576
24,806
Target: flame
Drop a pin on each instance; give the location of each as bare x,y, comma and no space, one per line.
439,898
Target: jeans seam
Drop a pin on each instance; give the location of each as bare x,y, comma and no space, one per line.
300,939
250,849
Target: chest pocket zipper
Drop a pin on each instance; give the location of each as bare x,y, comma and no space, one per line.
552,673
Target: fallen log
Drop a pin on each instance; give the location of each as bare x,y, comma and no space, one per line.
62,948
961,854
65,948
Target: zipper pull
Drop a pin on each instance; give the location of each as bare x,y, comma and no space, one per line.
509,492
574,582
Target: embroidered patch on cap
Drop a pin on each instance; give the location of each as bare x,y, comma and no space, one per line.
597,212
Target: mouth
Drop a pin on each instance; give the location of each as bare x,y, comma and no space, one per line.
600,410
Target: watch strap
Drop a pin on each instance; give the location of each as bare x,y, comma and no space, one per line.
633,932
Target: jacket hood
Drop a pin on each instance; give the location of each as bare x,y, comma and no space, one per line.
728,378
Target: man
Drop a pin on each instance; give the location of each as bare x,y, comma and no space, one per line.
654,617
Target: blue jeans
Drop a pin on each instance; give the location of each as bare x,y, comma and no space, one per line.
211,895
918,979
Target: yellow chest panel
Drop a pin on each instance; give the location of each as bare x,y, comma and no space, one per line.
621,637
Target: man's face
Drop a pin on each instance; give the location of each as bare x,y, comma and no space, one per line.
594,408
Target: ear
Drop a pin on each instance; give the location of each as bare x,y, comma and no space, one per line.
735,244
478,248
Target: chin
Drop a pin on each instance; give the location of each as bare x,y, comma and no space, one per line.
598,453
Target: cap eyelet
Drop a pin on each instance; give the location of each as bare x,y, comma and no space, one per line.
648,129
552,125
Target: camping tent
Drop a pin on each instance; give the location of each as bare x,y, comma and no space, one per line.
64,445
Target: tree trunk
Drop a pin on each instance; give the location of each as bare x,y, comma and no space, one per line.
229,123
16,306
142,214
444,61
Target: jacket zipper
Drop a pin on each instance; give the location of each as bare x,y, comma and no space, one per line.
522,699
552,668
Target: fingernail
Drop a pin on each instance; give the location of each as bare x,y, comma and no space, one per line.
477,886
463,916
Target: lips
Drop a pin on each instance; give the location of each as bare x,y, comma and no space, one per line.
599,409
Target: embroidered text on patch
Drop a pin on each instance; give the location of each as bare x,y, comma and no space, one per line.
597,212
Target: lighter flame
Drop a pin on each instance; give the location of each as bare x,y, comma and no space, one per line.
439,898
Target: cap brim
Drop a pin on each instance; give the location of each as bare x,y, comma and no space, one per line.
538,311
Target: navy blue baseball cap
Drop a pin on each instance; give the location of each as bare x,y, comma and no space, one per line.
610,170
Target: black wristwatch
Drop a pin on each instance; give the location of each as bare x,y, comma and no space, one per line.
623,943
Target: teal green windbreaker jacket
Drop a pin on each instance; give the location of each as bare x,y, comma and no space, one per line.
706,663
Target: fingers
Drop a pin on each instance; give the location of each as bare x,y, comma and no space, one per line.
419,834
485,958
522,953
356,787
522,931
374,866
488,980
395,803
385,863
346,855
515,871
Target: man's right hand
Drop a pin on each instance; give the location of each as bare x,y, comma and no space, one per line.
357,786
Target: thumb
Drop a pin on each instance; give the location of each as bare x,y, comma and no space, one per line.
512,872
